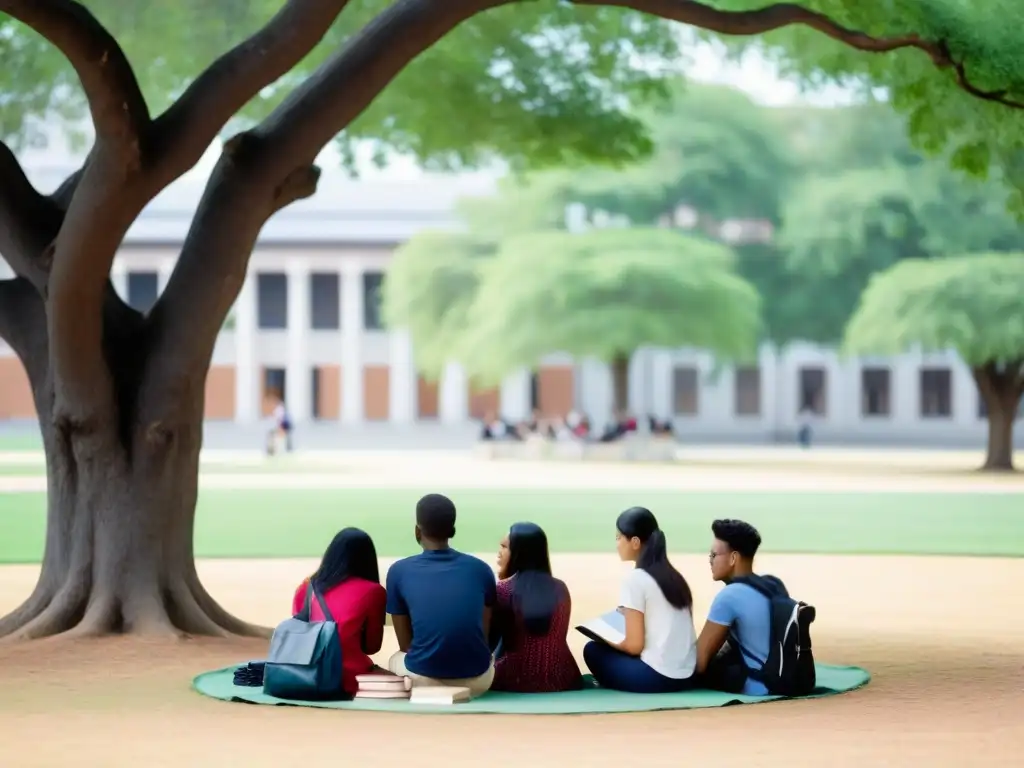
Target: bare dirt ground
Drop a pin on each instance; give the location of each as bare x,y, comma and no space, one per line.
944,646
944,639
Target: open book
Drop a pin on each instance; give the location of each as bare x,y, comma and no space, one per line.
608,628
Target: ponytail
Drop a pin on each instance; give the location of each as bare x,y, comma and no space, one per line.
654,560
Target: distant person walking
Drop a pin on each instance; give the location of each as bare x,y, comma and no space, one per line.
281,429
806,424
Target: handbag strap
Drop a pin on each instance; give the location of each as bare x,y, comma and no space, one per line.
307,610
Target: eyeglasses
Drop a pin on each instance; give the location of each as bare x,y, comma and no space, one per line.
713,555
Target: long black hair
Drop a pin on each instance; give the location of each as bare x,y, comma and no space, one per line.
535,592
350,555
641,523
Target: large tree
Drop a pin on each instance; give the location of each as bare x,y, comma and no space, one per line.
120,394
604,294
864,201
970,304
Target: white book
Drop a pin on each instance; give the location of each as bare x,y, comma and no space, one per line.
439,695
609,628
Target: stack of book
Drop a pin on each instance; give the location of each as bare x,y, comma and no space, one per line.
383,686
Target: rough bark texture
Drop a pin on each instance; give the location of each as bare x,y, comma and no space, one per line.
1001,387
620,382
120,395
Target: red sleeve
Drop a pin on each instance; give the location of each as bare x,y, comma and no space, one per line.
299,601
376,600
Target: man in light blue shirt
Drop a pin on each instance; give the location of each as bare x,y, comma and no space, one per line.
739,613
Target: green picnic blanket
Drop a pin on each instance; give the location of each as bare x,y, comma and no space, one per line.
219,684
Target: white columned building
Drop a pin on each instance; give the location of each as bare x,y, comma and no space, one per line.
402,379
247,372
298,381
453,398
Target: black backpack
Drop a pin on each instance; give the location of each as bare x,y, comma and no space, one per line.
789,668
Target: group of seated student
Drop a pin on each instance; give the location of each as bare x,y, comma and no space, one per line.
456,625
574,427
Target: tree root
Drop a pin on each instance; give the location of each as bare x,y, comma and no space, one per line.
184,610
222,618
37,602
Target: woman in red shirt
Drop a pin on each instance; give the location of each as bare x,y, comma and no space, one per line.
349,581
531,618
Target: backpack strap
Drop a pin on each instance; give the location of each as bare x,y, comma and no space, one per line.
769,586
307,610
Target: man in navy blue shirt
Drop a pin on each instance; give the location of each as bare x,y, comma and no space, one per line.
440,603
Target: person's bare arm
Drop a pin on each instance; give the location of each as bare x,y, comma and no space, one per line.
712,638
403,631
635,629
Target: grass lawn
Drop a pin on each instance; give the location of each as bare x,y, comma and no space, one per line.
300,523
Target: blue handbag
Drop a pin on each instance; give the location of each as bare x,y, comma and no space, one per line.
304,662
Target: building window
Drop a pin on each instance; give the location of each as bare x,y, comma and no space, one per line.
143,288
748,391
936,393
812,391
324,301
272,301
274,380
372,283
686,390
875,392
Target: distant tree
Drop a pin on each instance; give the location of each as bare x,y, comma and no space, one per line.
605,294
971,304
431,284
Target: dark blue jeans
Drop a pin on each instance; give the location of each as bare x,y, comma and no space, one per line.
620,671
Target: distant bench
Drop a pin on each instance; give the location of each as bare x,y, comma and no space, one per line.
629,449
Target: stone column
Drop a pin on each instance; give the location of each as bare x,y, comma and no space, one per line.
352,330
402,378
298,376
515,395
247,372
454,396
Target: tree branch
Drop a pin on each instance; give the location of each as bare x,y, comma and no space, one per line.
23,325
338,92
270,167
189,126
772,17
28,222
118,109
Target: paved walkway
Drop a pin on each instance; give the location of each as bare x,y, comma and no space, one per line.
450,470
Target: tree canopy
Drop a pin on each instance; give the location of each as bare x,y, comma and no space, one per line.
604,294
520,73
431,283
970,304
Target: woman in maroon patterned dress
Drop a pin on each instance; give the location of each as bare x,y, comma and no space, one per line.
531,618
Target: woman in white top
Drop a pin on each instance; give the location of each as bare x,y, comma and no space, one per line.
659,652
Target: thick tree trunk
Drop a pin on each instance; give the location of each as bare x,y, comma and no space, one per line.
999,454
620,382
119,551
1000,387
